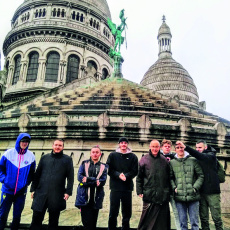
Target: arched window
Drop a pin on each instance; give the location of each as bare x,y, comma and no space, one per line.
58,12
77,16
81,18
54,12
63,13
52,67
17,68
97,25
72,68
92,64
91,22
44,12
33,67
36,14
73,15
105,74
91,69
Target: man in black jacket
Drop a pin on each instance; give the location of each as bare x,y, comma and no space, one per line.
153,186
48,188
210,190
123,167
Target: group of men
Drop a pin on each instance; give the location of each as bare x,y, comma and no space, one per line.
187,178
48,188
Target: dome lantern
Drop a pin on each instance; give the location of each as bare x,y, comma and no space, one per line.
164,39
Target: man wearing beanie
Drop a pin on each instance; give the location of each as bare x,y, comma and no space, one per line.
123,167
17,166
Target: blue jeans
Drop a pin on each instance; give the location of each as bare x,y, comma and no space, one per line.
175,212
191,209
6,202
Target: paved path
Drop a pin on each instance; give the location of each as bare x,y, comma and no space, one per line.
70,219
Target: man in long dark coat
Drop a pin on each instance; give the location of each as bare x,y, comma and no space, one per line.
153,182
48,188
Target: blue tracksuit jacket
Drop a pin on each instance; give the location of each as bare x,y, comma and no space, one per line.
17,168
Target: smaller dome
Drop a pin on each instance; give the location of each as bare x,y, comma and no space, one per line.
167,76
164,28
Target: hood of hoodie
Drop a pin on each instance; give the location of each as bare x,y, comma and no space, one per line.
20,136
186,155
209,149
118,150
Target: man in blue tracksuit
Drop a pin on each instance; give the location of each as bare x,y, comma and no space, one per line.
17,166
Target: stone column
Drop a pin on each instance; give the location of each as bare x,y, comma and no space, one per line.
118,60
10,75
49,10
24,71
83,69
102,26
39,75
68,12
62,78
19,18
42,70
31,14
87,18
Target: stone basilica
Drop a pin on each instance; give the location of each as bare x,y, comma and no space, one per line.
58,83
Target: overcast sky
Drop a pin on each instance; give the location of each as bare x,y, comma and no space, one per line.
200,41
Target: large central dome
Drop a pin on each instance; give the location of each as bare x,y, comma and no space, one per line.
167,76
55,42
97,4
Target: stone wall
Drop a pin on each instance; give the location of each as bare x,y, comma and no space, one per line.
80,151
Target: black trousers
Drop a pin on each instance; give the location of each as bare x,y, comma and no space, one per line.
38,217
125,198
89,217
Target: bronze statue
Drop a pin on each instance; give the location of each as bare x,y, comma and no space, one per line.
117,32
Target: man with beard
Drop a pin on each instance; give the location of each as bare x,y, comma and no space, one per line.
48,188
152,185
210,190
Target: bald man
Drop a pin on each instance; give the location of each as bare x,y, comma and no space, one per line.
153,182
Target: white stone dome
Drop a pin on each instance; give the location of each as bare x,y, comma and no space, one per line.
167,76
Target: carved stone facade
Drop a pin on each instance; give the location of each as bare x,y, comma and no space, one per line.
88,110
102,112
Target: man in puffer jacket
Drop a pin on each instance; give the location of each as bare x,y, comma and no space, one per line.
17,167
92,176
186,180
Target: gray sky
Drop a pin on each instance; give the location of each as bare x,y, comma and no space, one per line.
200,41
